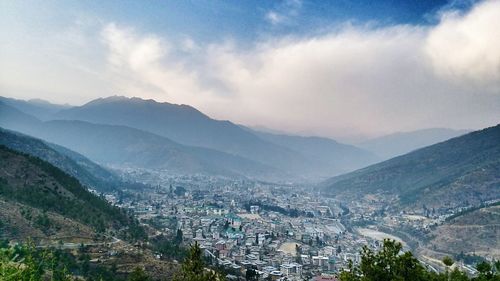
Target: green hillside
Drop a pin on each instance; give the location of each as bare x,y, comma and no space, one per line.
474,233
461,170
31,182
74,164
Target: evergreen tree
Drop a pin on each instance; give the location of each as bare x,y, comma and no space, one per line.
251,275
193,267
178,236
387,264
138,275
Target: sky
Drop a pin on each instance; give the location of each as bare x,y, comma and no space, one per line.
341,69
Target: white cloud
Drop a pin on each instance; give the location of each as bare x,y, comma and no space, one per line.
274,18
354,80
284,12
357,80
467,46
143,65
189,45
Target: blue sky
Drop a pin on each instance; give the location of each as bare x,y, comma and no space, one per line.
344,69
250,19
243,20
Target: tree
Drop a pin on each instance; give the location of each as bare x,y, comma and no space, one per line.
485,272
178,236
448,261
193,267
457,275
138,275
392,265
298,253
251,275
387,264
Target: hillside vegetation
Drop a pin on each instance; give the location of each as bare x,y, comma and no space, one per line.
461,170
27,181
73,163
474,233
125,146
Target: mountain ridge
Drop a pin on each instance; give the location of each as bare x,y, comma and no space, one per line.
442,174
400,143
87,172
100,143
186,125
45,189
331,156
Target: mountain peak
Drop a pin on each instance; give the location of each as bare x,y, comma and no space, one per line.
105,100
116,99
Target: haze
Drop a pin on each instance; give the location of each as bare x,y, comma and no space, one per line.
336,70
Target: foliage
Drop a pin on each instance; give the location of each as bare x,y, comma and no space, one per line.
138,275
193,267
392,265
25,262
169,247
448,261
427,175
80,205
251,275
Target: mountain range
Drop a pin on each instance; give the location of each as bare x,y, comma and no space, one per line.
182,140
330,157
124,146
87,172
186,125
179,138
40,201
464,169
40,109
400,143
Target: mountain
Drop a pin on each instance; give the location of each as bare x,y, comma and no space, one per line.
40,109
329,156
461,170
186,125
38,198
473,233
124,146
403,142
74,164
119,145
14,119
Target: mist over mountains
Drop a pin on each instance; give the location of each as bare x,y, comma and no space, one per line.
430,172
40,201
403,142
87,172
40,109
133,132
447,174
126,146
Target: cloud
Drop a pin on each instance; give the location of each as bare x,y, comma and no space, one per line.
274,17
144,64
357,80
284,12
467,46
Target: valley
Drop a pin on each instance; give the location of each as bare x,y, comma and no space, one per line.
121,196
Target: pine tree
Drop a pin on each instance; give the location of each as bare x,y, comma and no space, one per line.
193,267
138,275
